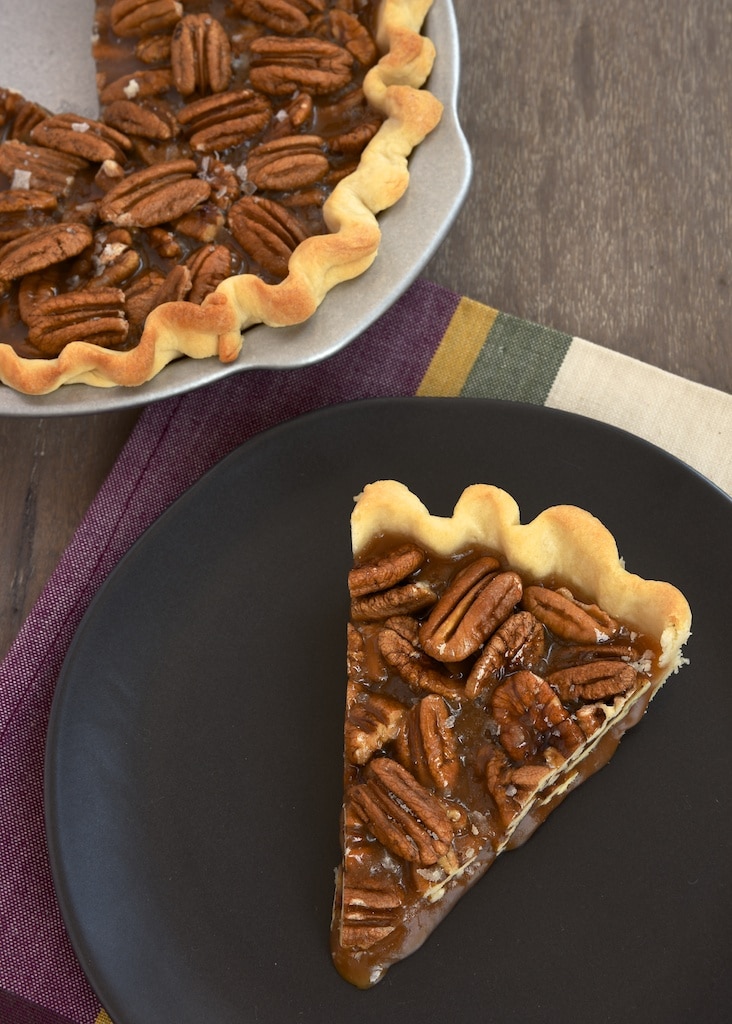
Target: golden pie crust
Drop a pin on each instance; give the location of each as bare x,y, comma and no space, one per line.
563,542
394,87
446,763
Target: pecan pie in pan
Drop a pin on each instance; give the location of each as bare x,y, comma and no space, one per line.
242,152
492,667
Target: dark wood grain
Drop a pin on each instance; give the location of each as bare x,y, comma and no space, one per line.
600,205
51,470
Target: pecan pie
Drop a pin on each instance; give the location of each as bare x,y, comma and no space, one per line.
492,667
241,153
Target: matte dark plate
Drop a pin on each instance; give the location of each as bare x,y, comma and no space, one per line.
194,753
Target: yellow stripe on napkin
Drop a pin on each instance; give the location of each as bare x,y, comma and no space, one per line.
456,354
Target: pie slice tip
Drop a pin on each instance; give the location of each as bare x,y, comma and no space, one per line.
493,666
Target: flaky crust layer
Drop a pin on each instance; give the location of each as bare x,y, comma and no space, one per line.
394,87
563,542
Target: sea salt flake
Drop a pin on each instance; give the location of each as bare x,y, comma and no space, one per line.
248,187
21,179
131,89
111,251
79,126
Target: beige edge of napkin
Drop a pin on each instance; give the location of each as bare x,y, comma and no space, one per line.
689,420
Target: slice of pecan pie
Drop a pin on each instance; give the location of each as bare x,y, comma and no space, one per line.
233,176
492,667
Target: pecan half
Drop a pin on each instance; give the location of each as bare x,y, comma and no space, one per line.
136,119
531,717
19,114
356,138
266,231
175,287
520,637
42,248
141,296
564,656
348,107
567,617
285,17
281,67
477,601
34,288
413,666
82,137
39,167
385,570
373,720
426,744
139,85
404,816
208,266
597,680
22,209
200,55
449,609
216,123
349,32
155,195
371,909
96,317
130,18
403,600
287,164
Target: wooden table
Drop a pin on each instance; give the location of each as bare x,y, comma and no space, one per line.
600,205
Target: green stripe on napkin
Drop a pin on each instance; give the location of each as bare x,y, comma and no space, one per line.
512,345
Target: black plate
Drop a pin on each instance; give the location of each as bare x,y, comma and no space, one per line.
194,754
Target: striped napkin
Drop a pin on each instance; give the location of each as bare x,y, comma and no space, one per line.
431,342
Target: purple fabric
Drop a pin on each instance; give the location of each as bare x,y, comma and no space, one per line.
172,445
14,1010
